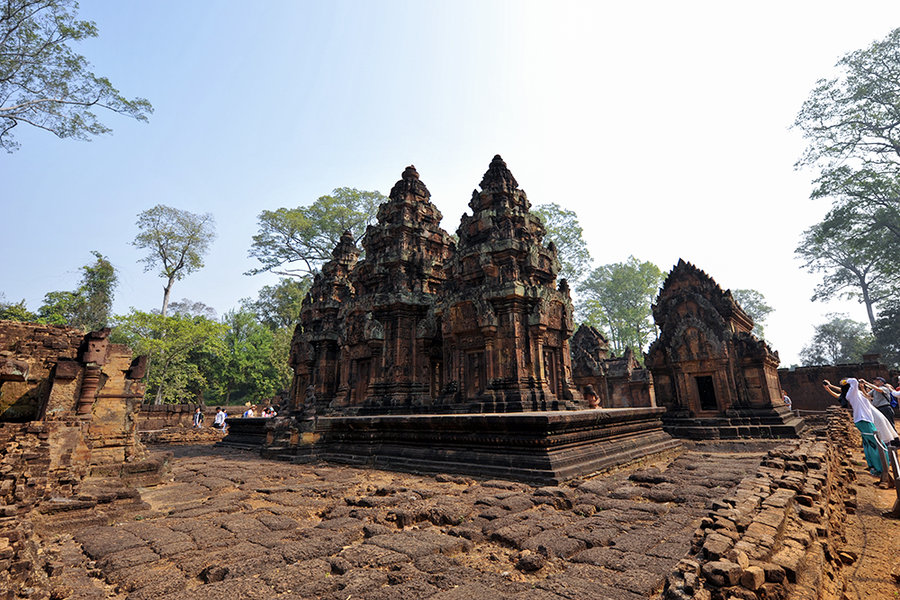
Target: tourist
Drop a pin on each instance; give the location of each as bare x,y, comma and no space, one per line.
590,396
862,418
786,398
249,413
219,422
880,395
198,418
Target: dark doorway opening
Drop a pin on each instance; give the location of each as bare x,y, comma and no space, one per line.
707,392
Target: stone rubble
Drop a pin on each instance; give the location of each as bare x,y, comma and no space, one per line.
780,533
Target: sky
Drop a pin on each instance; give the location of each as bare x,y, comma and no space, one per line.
664,125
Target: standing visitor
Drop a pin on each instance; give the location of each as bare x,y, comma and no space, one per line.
881,397
786,398
219,422
198,418
862,418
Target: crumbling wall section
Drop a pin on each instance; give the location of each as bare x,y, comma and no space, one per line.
31,357
779,534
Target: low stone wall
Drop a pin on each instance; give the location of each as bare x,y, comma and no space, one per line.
804,384
779,534
162,416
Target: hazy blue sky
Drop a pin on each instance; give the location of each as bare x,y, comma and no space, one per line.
663,124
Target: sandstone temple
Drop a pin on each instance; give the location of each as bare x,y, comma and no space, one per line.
426,324
396,354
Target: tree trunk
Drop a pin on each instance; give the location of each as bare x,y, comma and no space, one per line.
159,390
869,310
166,292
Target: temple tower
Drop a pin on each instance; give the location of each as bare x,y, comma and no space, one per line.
712,374
315,345
505,325
391,347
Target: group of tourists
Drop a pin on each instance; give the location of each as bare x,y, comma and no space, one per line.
267,413
873,407
218,422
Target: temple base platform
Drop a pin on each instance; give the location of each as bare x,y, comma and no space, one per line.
542,448
736,423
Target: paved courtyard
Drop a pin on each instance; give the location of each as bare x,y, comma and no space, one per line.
231,525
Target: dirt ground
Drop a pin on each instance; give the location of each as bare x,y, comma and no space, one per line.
875,539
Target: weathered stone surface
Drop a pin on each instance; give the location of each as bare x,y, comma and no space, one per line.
753,577
721,572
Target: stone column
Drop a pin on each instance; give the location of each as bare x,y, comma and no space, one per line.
89,385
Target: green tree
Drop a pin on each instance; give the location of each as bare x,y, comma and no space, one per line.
173,345
191,308
617,299
175,241
278,306
89,306
855,262
43,83
15,311
850,122
296,241
887,331
565,231
839,340
755,305
250,366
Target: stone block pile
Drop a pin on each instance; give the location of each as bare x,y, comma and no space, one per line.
779,533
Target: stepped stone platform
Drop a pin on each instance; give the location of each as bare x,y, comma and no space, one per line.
736,423
533,447
249,433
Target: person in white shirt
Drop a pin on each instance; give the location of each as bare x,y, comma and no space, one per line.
862,418
219,422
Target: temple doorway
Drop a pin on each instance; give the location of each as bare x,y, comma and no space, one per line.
706,391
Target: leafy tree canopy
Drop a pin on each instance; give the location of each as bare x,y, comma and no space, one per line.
887,332
278,306
176,241
16,311
837,341
565,231
89,306
854,116
173,345
296,241
191,308
254,365
43,83
851,124
617,299
855,260
755,305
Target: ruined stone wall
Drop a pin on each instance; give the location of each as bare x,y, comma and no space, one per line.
804,384
780,533
29,354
